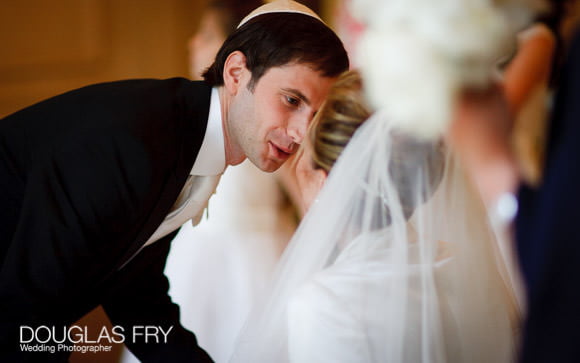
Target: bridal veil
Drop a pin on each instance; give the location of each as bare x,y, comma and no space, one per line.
395,262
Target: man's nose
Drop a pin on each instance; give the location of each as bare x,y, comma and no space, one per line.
297,127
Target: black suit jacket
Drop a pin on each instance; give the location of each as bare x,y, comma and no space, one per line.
86,178
548,233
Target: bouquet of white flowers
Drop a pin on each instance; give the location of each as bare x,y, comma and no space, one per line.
415,55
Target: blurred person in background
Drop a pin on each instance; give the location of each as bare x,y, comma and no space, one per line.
546,235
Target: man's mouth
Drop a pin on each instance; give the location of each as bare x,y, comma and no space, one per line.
280,152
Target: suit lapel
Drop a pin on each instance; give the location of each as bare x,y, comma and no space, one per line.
193,99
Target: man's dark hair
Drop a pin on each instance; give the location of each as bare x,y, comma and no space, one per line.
276,39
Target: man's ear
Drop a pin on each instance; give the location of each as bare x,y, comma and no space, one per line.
235,72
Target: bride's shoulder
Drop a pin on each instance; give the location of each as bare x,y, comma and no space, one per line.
354,268
364,245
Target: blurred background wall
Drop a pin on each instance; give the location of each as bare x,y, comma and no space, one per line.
48,47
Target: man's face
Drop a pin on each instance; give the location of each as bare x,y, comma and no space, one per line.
269,123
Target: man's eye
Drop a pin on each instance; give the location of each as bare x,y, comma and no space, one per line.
292,101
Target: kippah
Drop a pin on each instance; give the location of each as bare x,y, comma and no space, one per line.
280,6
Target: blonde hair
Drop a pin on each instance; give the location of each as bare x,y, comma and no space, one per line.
344,110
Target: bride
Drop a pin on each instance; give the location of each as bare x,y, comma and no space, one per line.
395,260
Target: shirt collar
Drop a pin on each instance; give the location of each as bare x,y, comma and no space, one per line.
211,159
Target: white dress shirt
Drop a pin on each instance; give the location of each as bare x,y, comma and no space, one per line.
203,179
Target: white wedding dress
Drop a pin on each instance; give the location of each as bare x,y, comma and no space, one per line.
333,317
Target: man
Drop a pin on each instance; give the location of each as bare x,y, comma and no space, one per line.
94,182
